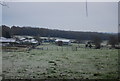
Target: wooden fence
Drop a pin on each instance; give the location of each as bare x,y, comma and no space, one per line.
57,48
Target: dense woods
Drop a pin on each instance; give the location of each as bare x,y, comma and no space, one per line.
31,31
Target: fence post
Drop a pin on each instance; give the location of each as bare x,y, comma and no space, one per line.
76,48
62,48
47,48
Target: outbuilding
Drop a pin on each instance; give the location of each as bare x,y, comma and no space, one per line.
61,42
6,41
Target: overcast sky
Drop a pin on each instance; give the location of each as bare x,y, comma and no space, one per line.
102,16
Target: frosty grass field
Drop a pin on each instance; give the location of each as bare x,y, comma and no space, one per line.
61,64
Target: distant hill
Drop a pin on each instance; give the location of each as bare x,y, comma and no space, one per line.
31,31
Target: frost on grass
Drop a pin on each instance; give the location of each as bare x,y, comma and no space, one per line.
61,64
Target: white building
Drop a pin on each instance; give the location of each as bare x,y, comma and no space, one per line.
33,41
64,41
6,41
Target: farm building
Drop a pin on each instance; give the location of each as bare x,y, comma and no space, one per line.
61,42
47,39
6,41
25,40
17,41
32,41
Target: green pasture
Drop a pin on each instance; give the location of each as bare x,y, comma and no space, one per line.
61,63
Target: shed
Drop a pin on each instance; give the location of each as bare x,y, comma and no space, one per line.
61,42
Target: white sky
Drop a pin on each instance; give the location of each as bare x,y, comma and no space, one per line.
60,0
102,16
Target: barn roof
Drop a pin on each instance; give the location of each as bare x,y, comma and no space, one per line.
2,39
63,40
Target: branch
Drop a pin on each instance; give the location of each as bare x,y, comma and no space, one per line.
3,4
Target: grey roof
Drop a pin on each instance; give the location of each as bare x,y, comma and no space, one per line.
3,39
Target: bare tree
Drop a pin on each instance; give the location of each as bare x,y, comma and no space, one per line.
97,42
3,4
113,40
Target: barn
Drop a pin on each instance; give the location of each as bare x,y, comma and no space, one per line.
61,42
6,41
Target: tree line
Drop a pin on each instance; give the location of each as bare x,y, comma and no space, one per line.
44,32
113,39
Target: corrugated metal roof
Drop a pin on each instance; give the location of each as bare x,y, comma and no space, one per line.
7,40
63,40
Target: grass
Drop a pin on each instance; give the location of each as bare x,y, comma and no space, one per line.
62,64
